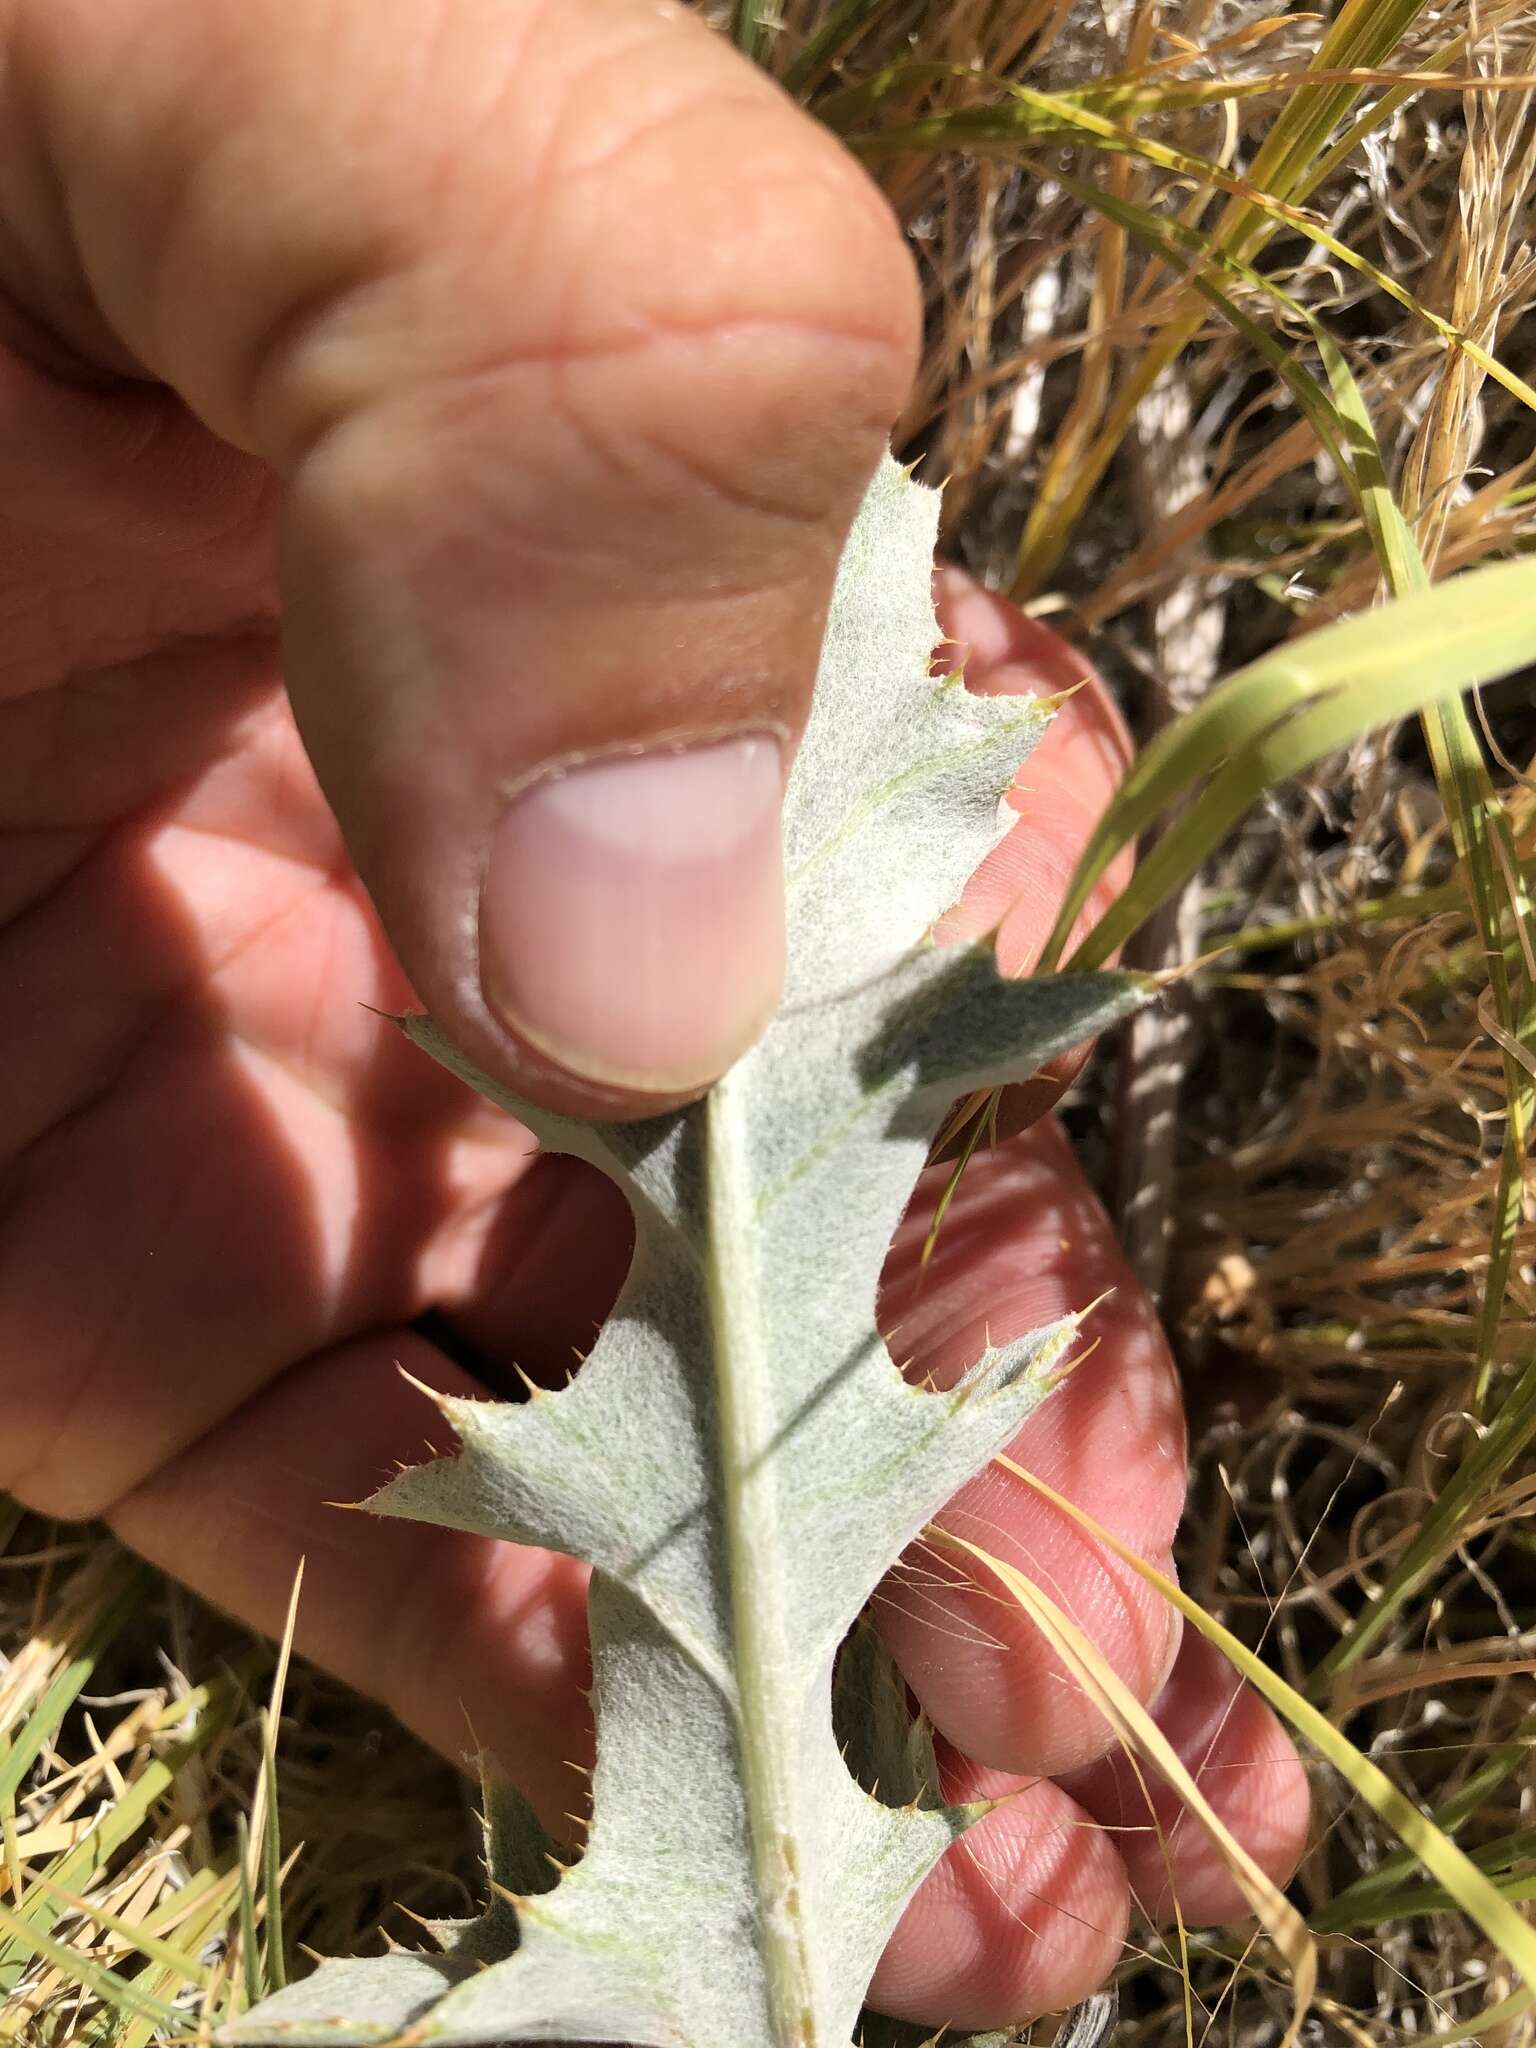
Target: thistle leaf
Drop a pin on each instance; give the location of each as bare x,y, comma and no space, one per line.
740,1459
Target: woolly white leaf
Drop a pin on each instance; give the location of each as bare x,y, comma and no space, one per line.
740,1458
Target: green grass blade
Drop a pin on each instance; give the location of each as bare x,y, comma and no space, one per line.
841,29
250,1955
1489,2025
1276,717
1442,58
1383,1895
1410,1904
264,1822
1498,895
1489,865
118,1992
272,1866
1364,34
120,1599
750,28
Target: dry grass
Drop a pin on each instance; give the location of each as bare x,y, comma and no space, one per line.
142,1773
1312,1158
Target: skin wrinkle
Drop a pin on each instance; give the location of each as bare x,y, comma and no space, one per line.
26,124
491,118
132,473
276,349
92,695
1261,1793
103,844
1034,1883
19,1166
554,391
810,164
40,864
541,175
303,1075
567,345
583,104
1034,1894
457,406
654,330
173,1469
735,495
1084,1582
74,196
241,529
173,212
296,908
492,366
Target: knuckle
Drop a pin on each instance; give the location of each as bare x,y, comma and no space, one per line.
737,325
796,278
690,336
779,420
709,201
47,1474
701,228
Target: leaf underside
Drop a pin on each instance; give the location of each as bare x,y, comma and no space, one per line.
740,1459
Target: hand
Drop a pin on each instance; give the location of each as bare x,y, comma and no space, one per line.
552,348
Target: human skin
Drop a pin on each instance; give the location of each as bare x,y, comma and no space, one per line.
399,398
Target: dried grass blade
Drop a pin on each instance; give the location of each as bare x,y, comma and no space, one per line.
1509,1434
78,1969
170,1958
1475,1894
1140,1734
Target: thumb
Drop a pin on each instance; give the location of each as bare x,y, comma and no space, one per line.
575,344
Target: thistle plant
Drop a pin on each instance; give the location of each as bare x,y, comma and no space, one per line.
740,1458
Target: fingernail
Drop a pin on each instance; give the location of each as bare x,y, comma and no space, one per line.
632,918
1175,1644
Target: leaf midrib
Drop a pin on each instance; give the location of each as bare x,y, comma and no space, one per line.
767,1711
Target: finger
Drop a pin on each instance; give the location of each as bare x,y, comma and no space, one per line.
1244,1763
1023,1243
1060,793
1026,1914
549,1269
575,343
464,1638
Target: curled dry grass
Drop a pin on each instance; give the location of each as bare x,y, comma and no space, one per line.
1225,341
